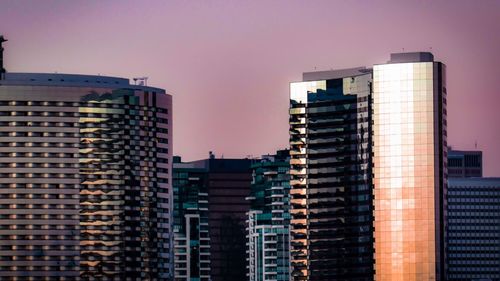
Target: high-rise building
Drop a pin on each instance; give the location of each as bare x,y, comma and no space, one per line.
268,220
228,185
227,182
473,229
409,136
336,125
191,239
330,170
84,178
465,164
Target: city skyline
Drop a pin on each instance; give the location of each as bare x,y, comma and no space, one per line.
228,64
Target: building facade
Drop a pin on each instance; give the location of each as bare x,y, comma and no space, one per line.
330,170
409,135
227,184
85,184
268,231
473,229
191,239
465,164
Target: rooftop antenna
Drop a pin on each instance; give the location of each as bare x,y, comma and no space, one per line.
2,69
141,81
475,144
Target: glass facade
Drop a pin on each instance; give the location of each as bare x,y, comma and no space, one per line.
409,135
473,229
191,239
84,185
269,219
229,185
330,170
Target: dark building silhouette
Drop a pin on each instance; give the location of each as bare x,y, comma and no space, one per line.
228,186
465,164
227,182
331,184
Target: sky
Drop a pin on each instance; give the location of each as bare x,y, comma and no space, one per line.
228,64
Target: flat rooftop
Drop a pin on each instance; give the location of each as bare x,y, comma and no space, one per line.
411,57
70,80
334,74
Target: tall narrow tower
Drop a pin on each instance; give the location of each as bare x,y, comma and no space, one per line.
409,135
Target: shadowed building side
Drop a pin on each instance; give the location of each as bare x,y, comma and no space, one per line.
330,169
227,182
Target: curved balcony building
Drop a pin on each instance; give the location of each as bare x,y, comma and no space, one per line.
84,178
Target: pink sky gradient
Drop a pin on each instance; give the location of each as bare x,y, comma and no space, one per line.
228,63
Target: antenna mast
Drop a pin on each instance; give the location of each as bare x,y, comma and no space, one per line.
2,69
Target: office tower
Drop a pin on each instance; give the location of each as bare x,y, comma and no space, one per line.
473,229
191,239
465,164
409,136
227,184
330,170
84,178
268,220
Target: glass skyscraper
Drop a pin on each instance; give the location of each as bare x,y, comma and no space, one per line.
85,183
268,220
330,170
409,167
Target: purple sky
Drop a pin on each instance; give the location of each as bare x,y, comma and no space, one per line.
228,63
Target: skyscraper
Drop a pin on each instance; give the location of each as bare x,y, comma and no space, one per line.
268,221
473,229
228,186
409,135
85,190
330,169
358,217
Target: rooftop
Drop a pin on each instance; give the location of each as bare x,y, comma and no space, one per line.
70,80
411,57
334,74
